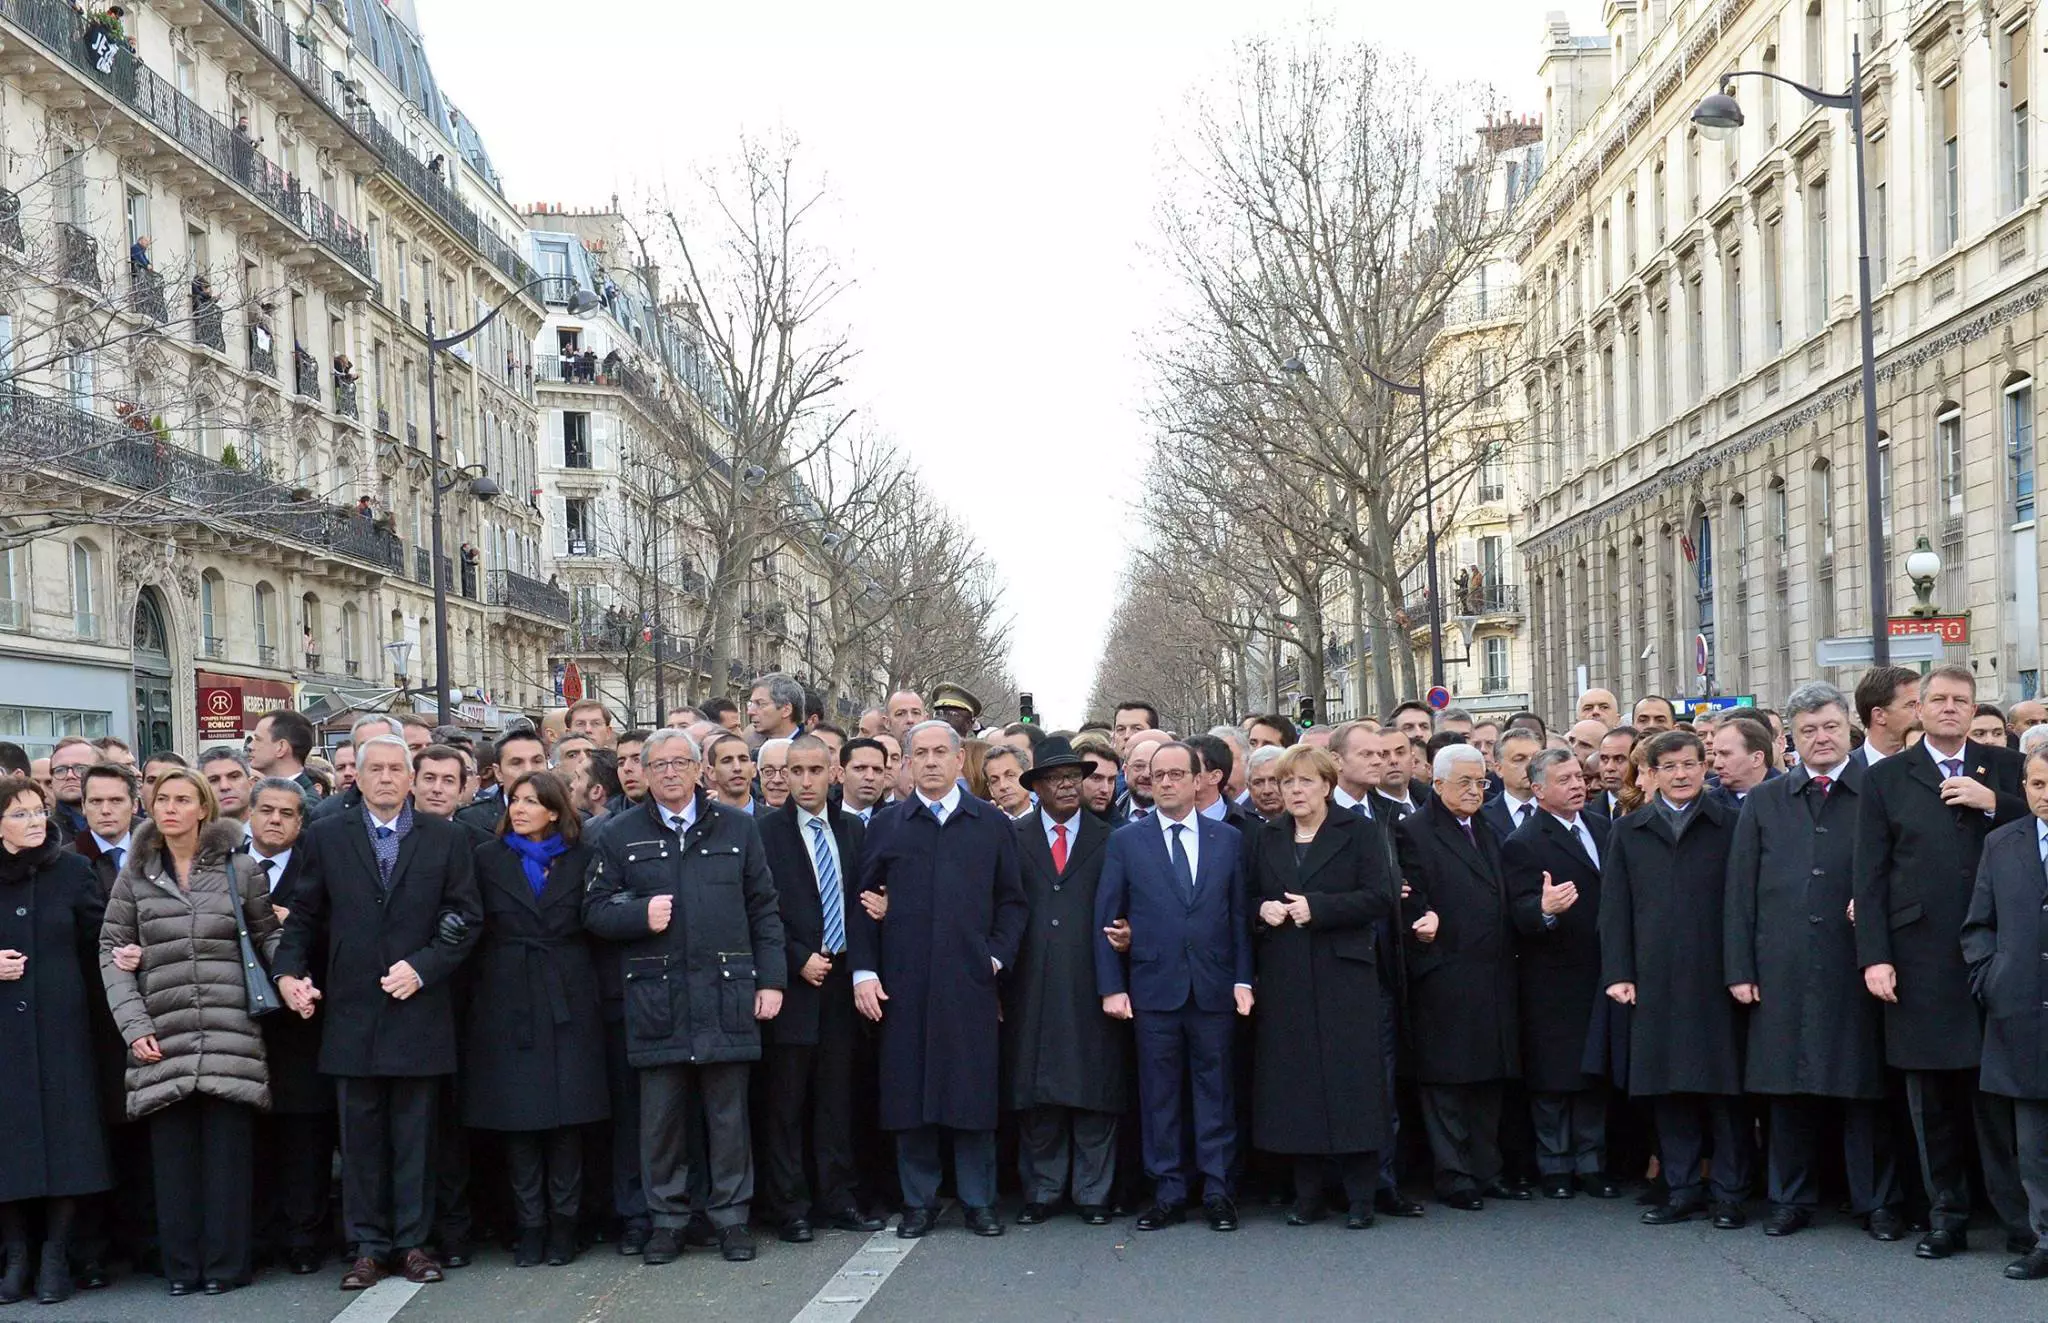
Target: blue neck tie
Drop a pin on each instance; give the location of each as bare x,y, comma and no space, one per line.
1358,807
383,833
1180,860
829,896
117,854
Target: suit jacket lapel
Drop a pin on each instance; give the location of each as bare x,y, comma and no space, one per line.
366,854
1329,840
1037,851
1565,839
1208,841
408,846
1090,834
1448,829
1920,765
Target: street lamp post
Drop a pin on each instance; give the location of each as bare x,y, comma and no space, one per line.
1718,116
1419,392
581,303
654,505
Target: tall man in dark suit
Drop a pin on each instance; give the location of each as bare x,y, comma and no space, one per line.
1816,1037
1179,879
1067,1064
2005,942
1516,802
1461,979
1925,814
1552,868
946,863
391,896
814,855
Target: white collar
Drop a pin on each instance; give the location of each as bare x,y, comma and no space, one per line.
282,858
1573,824
1939,757
804,818
106,845
375,821
947,806
1833,773
686,816
1191,820
1345,800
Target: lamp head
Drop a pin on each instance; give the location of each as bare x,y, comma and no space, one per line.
1718,115
482,487
582,303
1923,563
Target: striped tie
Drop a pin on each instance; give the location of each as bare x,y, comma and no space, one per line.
828,889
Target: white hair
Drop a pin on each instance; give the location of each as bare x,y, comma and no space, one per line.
668,735
384,741
2033,738
1265,753
392,725
921,727
1448,758
780,744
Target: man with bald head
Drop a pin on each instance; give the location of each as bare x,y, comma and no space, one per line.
1136,800
2024,716
1653,713
1600,705
906,709
1584,738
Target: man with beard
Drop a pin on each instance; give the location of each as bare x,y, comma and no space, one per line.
1098,783
68,765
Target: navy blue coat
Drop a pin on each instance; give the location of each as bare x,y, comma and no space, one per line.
1180,950
956,900
2005,944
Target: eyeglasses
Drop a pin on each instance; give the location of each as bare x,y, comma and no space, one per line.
1171,775
77,770
27,815
667,765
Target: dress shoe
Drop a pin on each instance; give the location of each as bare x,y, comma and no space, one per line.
2029,1267
984,1222
560,1245
1222,1213
92,1275
1942,1242
1159,1216
1655,1194
1557,1187
1787,1220
363,1274
1031,1214
1359,1217
1886,1225
1465,1201
797,1231
633,1239
53,1275
2021,1242
1303,1215
302,1261
736,1244
852,1219
419,1267
215,1286
1499,1189
699,1233
1729,1217
1392,1203
1667,1213
455,1254
917,1222
664,1245
1600,1187
527,1250
192,1288
1095,1215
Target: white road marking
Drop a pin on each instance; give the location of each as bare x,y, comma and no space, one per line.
381,1303
854,1282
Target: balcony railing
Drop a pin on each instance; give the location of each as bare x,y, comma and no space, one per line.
384,421
345,399
1493,684
266,654
312,662
10,220
262,356
426,185
351,667
422,567
146,294
521,593
305,374
208,326
1487,599
1484,305
80,255
38,430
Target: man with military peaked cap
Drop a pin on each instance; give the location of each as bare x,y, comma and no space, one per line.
952,704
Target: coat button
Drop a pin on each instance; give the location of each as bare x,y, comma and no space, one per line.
21,913
1056,923
21,1006
1820,831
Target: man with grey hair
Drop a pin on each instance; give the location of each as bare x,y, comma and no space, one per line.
1004,769
775,707
2032,738
366,727
1516,802
1262,782
771,764
1240,764
1461,991
1815,1036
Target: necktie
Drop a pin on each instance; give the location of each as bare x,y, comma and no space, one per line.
269,865
1466,827
1522,814
1358,807
383,833
829,895
1586,842
939,814
1059,847
1180,860
1823,782
1952,767
117,854
675,822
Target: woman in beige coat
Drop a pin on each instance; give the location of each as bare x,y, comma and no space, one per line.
170,955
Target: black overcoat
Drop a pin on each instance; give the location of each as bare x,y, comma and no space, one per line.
956,899
1319,1077
2005,942
340,907
1059,1049
1461,987
1661,903
110,1050
1816,1030
1916,865
1565,1017
292,1045
51,1141
803,912
533,1050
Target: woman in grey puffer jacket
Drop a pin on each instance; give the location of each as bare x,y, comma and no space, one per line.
171,959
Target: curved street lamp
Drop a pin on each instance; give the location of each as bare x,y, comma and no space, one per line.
1718,116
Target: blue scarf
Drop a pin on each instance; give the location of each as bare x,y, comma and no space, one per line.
535,856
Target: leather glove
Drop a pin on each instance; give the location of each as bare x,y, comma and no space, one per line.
451,928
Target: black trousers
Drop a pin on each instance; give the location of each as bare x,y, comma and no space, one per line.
453,1218
1359,1173
1571,1131
2030,1131
1684,1121
629,1196
205,1199
921,1165
1944,1104
1795,1140
387,1149
1053,1142
295,1179
668,1095
810,1090
1463,1124
546,1172
121,1224
1390,1055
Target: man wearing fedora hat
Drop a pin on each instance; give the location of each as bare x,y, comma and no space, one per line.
1067,1064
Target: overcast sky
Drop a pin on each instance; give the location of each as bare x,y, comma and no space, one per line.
994,170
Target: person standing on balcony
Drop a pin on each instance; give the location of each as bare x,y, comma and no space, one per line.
138,254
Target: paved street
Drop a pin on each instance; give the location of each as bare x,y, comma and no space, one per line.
1580,1261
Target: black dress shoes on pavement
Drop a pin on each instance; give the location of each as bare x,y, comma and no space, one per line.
1222,1213
797,1231
1666,1213
1032,1214
1359,1217
1306,1215
984,1222
852,1219
1392,1203
917,1222
698,1233
1500,1189
736,1244
664,1245
2029,1267
1787,1220
1729,1217
1465,1201
1558,1187
1600,1187
1095,1215
1942,1242
633,1239
302,1261
1160,1216
1886,1225
2021,1242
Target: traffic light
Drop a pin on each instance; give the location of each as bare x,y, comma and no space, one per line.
1308,713
1024,710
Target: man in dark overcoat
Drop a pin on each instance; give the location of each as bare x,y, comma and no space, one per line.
1552,868
378,882
1067,1066
1816,1037
946,863
1461,979
1924,815
1662,890
2005,942
814,851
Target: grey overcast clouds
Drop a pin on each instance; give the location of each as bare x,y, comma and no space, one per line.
993,171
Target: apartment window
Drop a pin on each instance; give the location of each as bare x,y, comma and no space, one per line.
1824,507
2017,69
1692,171
1608,429
1767,95
1884,482
1634,388
79,373
1874,163
138,215
1774,287
575,440
85,574
1660,354
1703,570
1492,475
1948,185
1495,651
1948,460
1818,283
13,590
266,624
2019,446
351,639
1696,346
1816,45
1731,316
1778,509
211,635
577,521
1659,208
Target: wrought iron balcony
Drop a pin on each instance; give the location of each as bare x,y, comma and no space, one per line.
146,294
80,255
10,220
266,654
427,185
422,567
216,648
1488,599
305,374
521,593
262,356
208,326
345,398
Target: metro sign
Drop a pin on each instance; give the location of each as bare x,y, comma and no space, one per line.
1949,629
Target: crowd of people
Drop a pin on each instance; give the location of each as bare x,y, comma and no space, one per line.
420,991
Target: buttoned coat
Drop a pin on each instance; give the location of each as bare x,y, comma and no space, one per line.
1461,986
1566,1023
2005,944
802,908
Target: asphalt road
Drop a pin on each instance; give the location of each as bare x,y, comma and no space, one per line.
1579,1260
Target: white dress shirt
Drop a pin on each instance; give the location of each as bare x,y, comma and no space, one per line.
804,819
679,820
1073,826
1343,800
277,864
1518,809
1577,827
1190,840
121,845
1215,812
